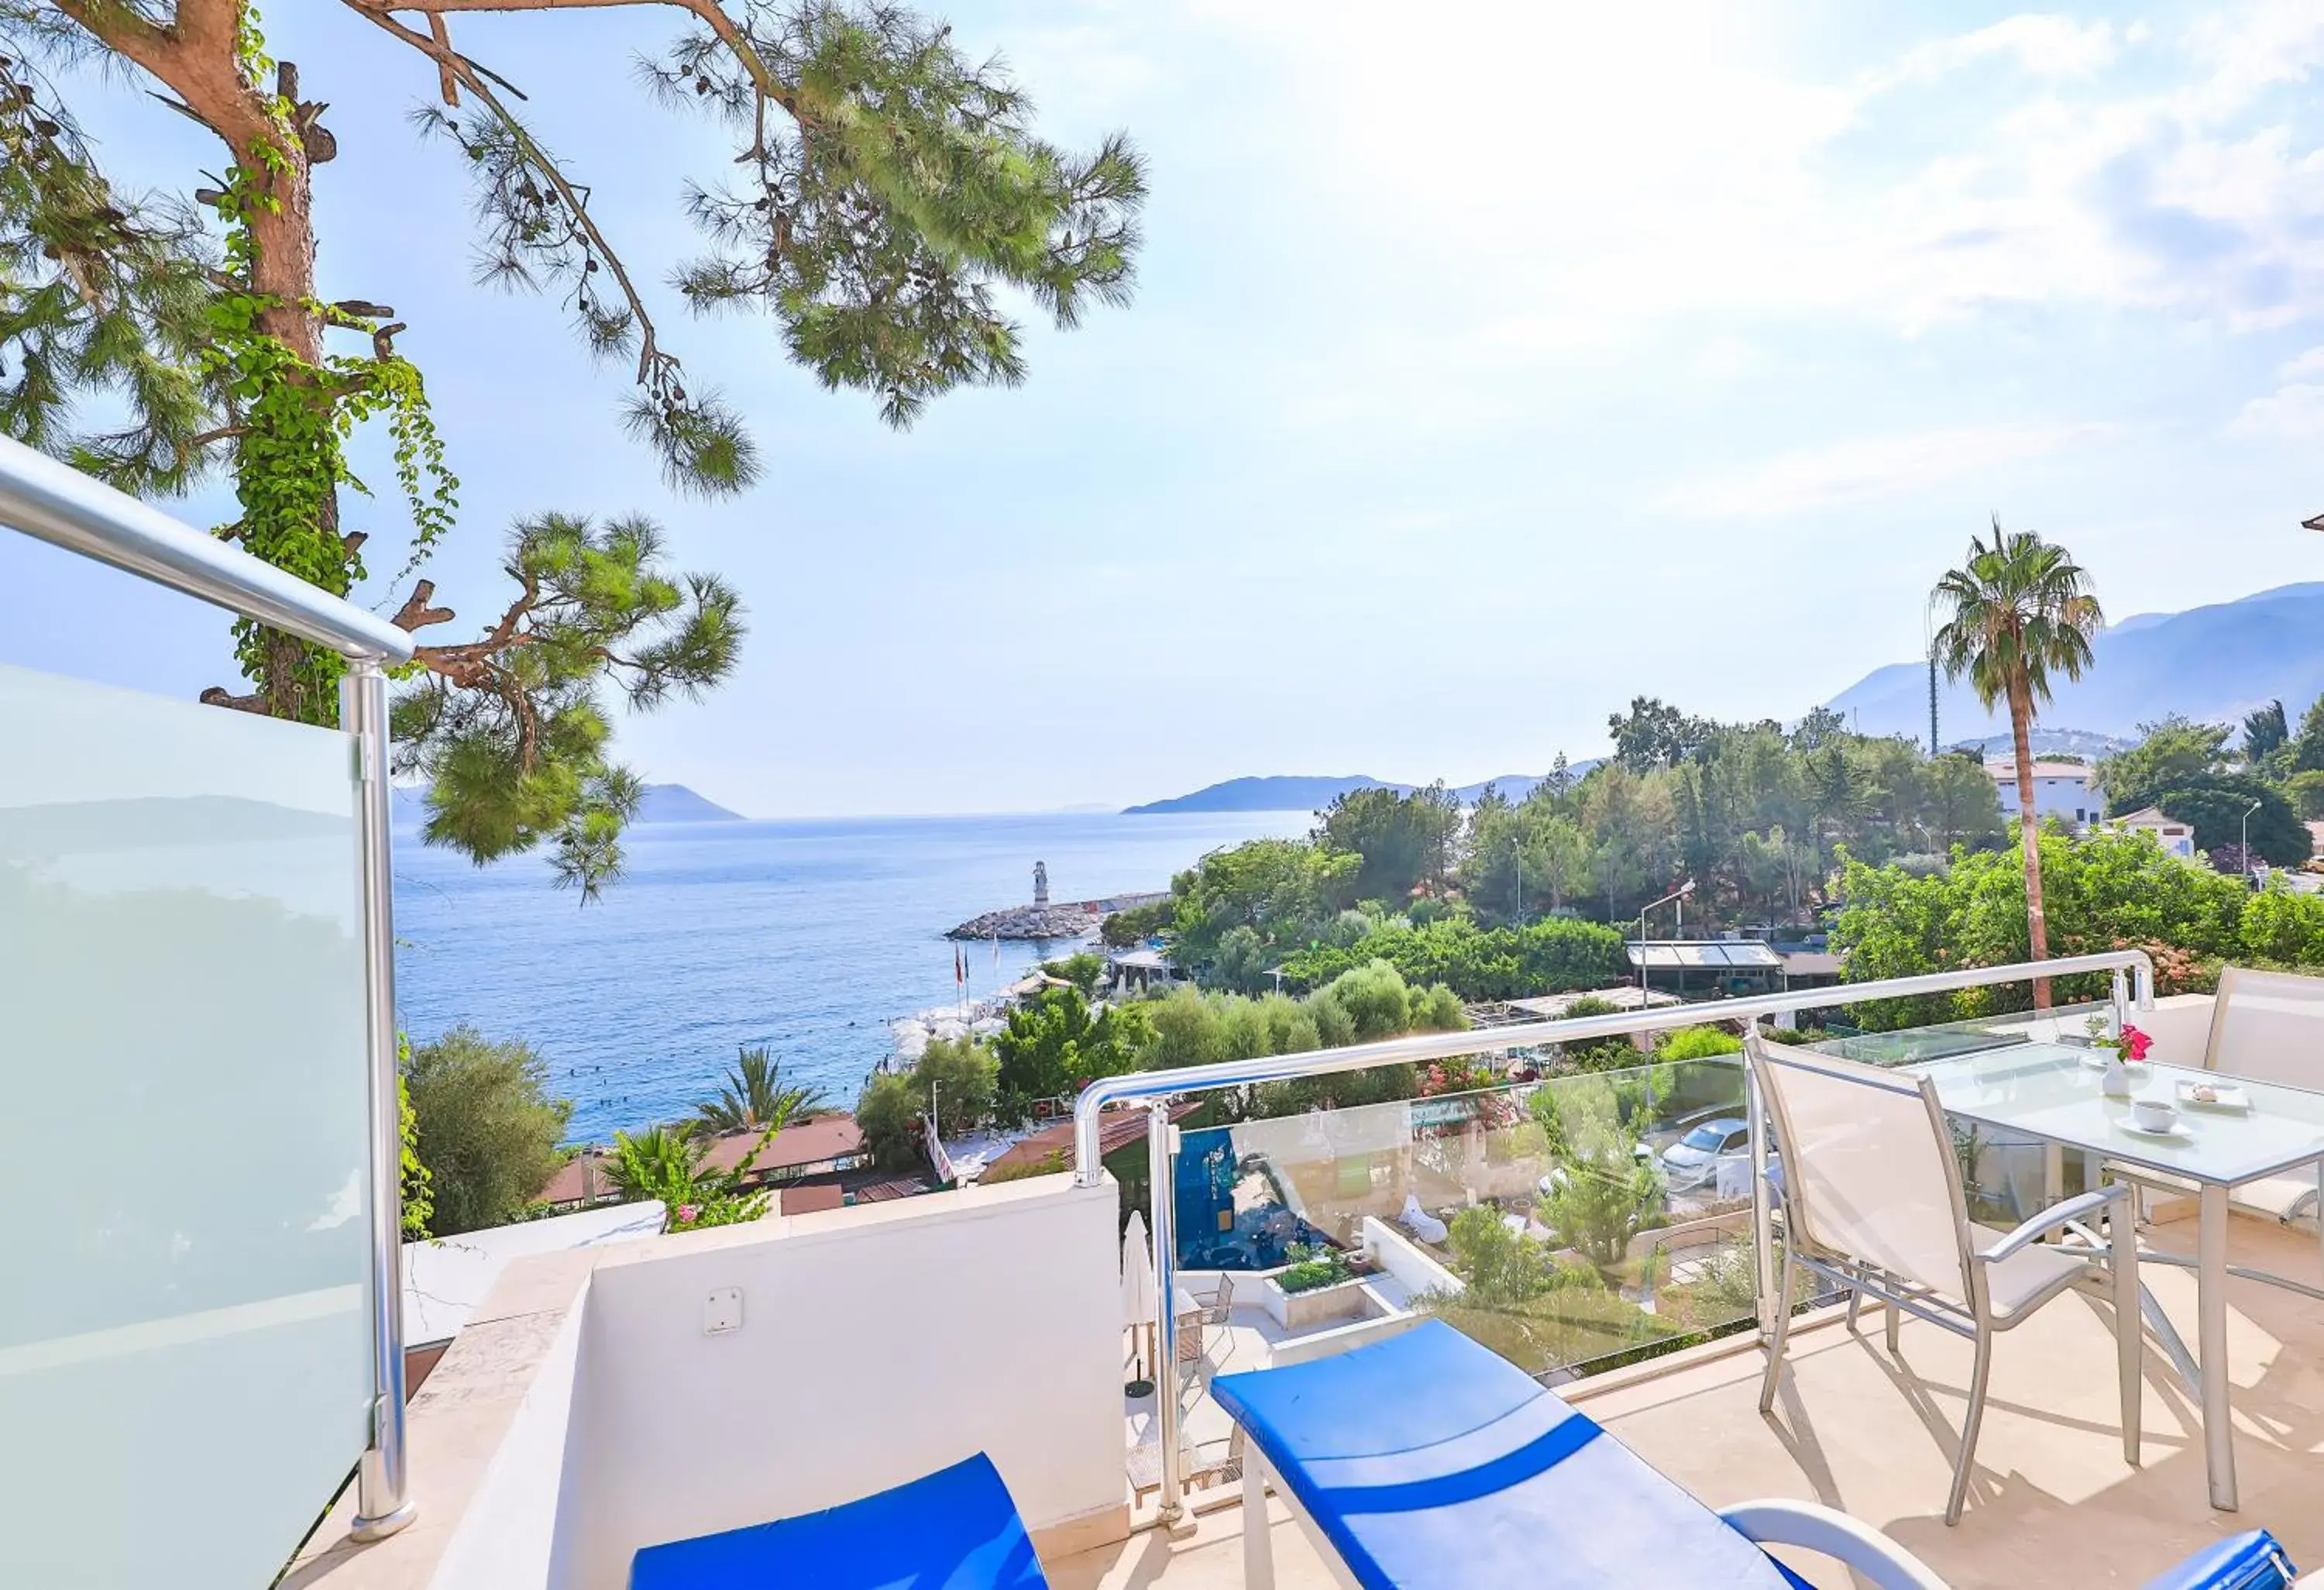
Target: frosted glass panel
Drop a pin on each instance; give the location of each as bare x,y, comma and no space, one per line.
184,1340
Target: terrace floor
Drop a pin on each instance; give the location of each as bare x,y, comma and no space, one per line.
2052,1501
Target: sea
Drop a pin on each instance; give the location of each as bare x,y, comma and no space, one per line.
806,936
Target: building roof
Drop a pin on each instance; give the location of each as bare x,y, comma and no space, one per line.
812,1197
445,1279
2148,817
1151,960
834,1136
1117,1128
1550,1006
813,1142
1808,963
2007,769
1704,955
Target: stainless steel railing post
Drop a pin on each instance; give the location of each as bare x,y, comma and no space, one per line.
383,1500
1763,1225
1160,1146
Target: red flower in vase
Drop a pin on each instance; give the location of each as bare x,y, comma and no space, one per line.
2134,1044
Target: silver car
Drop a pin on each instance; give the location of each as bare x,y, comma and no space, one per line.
1693,1159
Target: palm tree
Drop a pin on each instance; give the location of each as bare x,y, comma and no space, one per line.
754,1097
2018,608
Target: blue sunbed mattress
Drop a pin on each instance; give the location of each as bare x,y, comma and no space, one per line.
955,1529
1432,1464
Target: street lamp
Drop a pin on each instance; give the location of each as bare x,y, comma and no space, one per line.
1681,892
2247,812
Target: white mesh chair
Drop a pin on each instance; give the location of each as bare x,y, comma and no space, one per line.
1871,1201
2269,1026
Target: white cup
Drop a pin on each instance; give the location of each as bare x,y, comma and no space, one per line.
2154,1114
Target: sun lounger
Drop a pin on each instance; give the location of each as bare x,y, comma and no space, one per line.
953,1529
1426,1462
2253,1560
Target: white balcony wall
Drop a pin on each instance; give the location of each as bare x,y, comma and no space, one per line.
877,1343
185,1360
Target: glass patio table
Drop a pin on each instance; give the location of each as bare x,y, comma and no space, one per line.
2051,1091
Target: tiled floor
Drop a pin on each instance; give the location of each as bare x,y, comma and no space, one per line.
2052,1501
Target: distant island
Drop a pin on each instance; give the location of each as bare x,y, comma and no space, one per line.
1298,792
658,803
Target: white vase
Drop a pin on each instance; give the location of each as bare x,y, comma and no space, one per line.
2115,1084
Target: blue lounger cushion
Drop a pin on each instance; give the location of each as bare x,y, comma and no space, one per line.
955,1529
1432,1464
2253,1560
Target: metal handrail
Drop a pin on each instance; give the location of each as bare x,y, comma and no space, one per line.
1444,1046
54,502
1162,1137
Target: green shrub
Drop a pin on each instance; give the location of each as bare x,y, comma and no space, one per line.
487,1128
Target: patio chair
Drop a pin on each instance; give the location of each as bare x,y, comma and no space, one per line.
1220,1303
1208,1464
1871,1201
1426,1462
956,1528
2269,1027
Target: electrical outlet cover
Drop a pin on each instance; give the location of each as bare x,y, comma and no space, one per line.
722,1311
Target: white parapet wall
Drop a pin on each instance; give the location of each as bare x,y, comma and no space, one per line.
590,1408
876,1345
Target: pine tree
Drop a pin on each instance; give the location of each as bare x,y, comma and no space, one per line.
884,191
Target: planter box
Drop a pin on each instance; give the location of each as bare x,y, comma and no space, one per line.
1318,1306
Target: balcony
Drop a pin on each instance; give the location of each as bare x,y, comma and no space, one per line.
597,1403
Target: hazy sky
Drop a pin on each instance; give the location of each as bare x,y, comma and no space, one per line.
1489,366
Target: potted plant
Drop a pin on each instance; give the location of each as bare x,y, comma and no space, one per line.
1320,1283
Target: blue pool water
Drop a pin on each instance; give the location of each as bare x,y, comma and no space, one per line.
807,936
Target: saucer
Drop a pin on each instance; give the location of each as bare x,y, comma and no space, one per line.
2177,1132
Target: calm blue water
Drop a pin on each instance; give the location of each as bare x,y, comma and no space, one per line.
807,936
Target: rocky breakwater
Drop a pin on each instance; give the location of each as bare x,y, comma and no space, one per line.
1068,918
1075,920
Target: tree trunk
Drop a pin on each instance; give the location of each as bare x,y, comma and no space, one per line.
197,57
2029,832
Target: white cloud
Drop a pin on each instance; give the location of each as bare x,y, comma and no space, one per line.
1595,174
1868,469
2291,412
2046,46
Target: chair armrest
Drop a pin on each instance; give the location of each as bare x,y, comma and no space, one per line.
2052,1218
1813,1528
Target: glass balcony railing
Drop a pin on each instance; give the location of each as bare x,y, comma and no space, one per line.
1563,1222
185,1336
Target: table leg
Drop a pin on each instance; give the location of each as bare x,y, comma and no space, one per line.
2053,1182
2211,1344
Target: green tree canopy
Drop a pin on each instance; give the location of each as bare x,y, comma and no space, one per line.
2216,808
488,1129
1055,1043
1400,841
2173,753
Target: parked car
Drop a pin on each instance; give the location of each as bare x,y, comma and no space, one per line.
1556,1178
1693,1159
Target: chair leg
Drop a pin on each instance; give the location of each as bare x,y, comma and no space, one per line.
2129,1326
1783,1331
1970,1424
1855,1302
1895,1322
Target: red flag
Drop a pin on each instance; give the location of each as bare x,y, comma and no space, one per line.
959,968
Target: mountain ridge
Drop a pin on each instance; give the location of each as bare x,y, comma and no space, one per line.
2214,663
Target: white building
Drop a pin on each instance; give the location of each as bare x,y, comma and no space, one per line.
2067,789
2177,838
